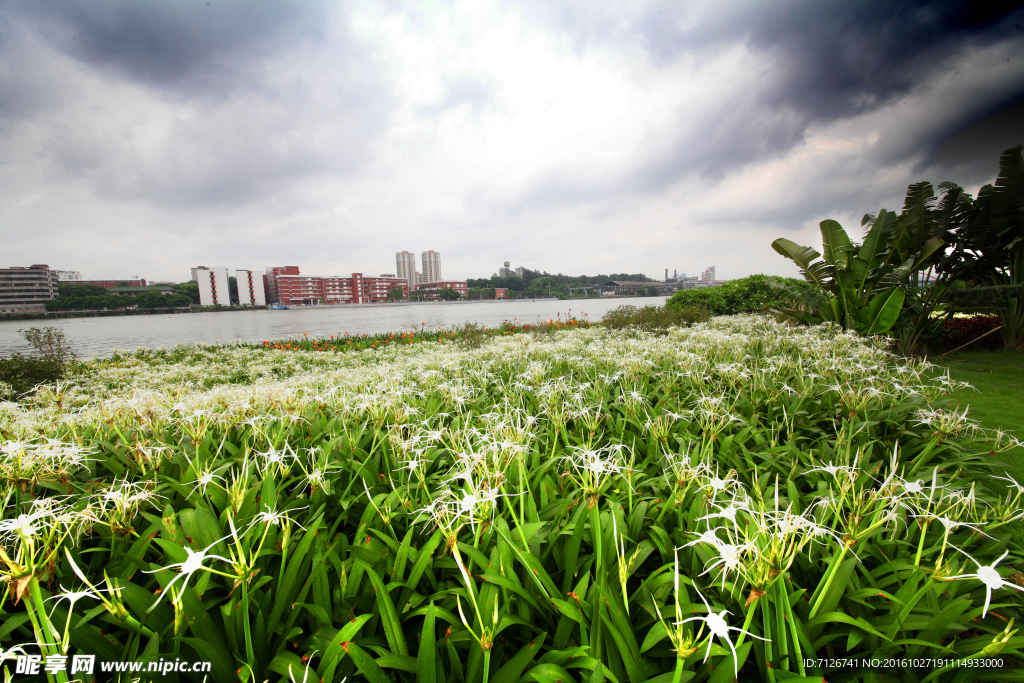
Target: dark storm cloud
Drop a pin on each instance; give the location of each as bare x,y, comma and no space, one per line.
180,44
830,61
971,147
247,97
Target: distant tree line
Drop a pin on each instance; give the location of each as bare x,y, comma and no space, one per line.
72,297
536,283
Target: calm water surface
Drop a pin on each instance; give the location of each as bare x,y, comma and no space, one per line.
97,337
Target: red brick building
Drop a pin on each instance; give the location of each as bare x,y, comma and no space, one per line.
286,286
432,290
270,281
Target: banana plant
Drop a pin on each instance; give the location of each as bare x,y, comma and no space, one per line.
988,252
860,285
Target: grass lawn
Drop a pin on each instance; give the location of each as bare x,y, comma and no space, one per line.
998,399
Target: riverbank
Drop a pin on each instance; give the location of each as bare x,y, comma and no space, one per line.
99,336
107,313
103,313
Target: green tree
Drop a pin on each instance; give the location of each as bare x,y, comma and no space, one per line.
189,289
233,291
397,294
448,294
988,250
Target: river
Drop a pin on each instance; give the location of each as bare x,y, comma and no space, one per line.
98,337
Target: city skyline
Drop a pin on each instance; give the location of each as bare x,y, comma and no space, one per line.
577,136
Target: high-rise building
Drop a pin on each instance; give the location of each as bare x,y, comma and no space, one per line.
250,288
26,290
405,266
68,275
506,271
431,266
213,286
708,274
520,272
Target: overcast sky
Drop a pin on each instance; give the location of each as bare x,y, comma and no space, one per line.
143,138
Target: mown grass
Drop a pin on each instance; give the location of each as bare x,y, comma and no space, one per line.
995,397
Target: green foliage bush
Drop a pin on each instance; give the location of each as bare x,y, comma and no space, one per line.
656,319
24,373
752,294
20,374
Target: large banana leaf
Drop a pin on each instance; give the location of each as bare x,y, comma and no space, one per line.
836,244
805,258
883,310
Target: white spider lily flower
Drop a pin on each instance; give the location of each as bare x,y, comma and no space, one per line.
728,512
193,563
710,537
988,575
730,558
834,470
1013,483
204,480
719,628
23,525
273,517
74,596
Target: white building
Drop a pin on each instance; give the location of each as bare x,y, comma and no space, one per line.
213,286
708,274
68,275
431,266
250,288
405,267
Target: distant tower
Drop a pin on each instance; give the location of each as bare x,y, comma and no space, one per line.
506,271
431,266
405,267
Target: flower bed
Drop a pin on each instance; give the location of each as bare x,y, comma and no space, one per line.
735,499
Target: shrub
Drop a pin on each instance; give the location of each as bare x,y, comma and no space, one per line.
654,318
20,374
51,344
471,335
959,331
24,373
752,294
